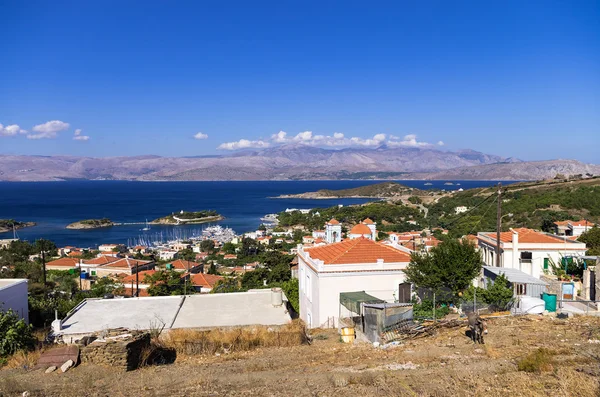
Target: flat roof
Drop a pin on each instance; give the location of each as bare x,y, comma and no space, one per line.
94,315
193,311
515,275
229,310
9,282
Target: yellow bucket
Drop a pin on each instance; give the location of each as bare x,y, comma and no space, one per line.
348,335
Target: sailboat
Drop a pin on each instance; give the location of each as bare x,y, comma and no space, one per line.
147,226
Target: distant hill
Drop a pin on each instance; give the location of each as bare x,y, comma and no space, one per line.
377,190
290,162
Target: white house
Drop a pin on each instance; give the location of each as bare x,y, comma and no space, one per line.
461,209
351,265
13,296
528,250
572,228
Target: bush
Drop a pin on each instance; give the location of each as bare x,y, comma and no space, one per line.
424,310
15,334
537,361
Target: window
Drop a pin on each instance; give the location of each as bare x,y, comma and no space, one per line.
546,262
301,279
526,256
521,289
308,288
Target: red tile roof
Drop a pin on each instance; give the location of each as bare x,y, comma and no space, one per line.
65,262
526,236
360,229
131,292
582,223
368,221
132,277
101,260
183,265
333,222
360,250
204,280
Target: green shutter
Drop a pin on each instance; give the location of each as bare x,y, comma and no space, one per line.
546,263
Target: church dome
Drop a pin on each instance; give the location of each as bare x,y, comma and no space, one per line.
361,228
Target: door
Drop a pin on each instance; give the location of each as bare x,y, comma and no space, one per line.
404,293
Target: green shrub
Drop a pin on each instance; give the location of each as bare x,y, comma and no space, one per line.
536,361
15,334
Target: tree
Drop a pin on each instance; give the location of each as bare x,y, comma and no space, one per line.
591,238
212,269
229,248
262,227
453,264
164,283
104,286
15,334
207,246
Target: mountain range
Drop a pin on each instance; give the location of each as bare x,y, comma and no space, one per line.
292,162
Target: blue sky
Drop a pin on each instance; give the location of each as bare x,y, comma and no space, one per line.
515,79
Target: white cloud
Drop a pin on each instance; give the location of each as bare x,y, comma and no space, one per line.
304,136
280,137
441,143
49,129
11,130
408,141
243,144
337,140
200,135
78,137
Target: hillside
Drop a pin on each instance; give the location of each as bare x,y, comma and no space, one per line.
289,162
445,364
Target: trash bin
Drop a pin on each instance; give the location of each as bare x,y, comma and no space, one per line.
550,300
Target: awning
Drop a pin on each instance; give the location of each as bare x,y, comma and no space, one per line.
514,275
352,300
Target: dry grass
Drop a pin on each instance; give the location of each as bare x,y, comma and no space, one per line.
193,342
23,359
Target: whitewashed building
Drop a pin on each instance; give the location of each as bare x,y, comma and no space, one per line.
13,296
572,228
351,265
528,250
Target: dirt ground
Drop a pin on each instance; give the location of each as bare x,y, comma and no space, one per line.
447,364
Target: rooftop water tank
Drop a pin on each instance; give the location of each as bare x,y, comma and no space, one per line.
276,297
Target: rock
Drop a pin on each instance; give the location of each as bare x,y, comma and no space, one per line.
26,394
51,369
68,364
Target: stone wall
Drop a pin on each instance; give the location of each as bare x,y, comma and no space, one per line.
123,351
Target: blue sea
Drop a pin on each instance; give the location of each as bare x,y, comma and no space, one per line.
53,205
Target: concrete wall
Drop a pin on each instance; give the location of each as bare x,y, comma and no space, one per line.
13,295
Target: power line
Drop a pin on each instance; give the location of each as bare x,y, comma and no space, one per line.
469,210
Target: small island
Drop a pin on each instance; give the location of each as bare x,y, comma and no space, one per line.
7,225
91,224
189,217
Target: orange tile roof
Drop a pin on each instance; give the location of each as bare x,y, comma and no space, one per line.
65,262
360,229
525,236
333,221
368,221
562,223
582,223
205,280
131,292
359,250
183,265
101,260
132,277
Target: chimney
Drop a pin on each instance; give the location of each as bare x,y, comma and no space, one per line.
516,263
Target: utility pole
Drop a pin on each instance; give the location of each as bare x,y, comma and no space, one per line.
498,224
137,281
43,247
